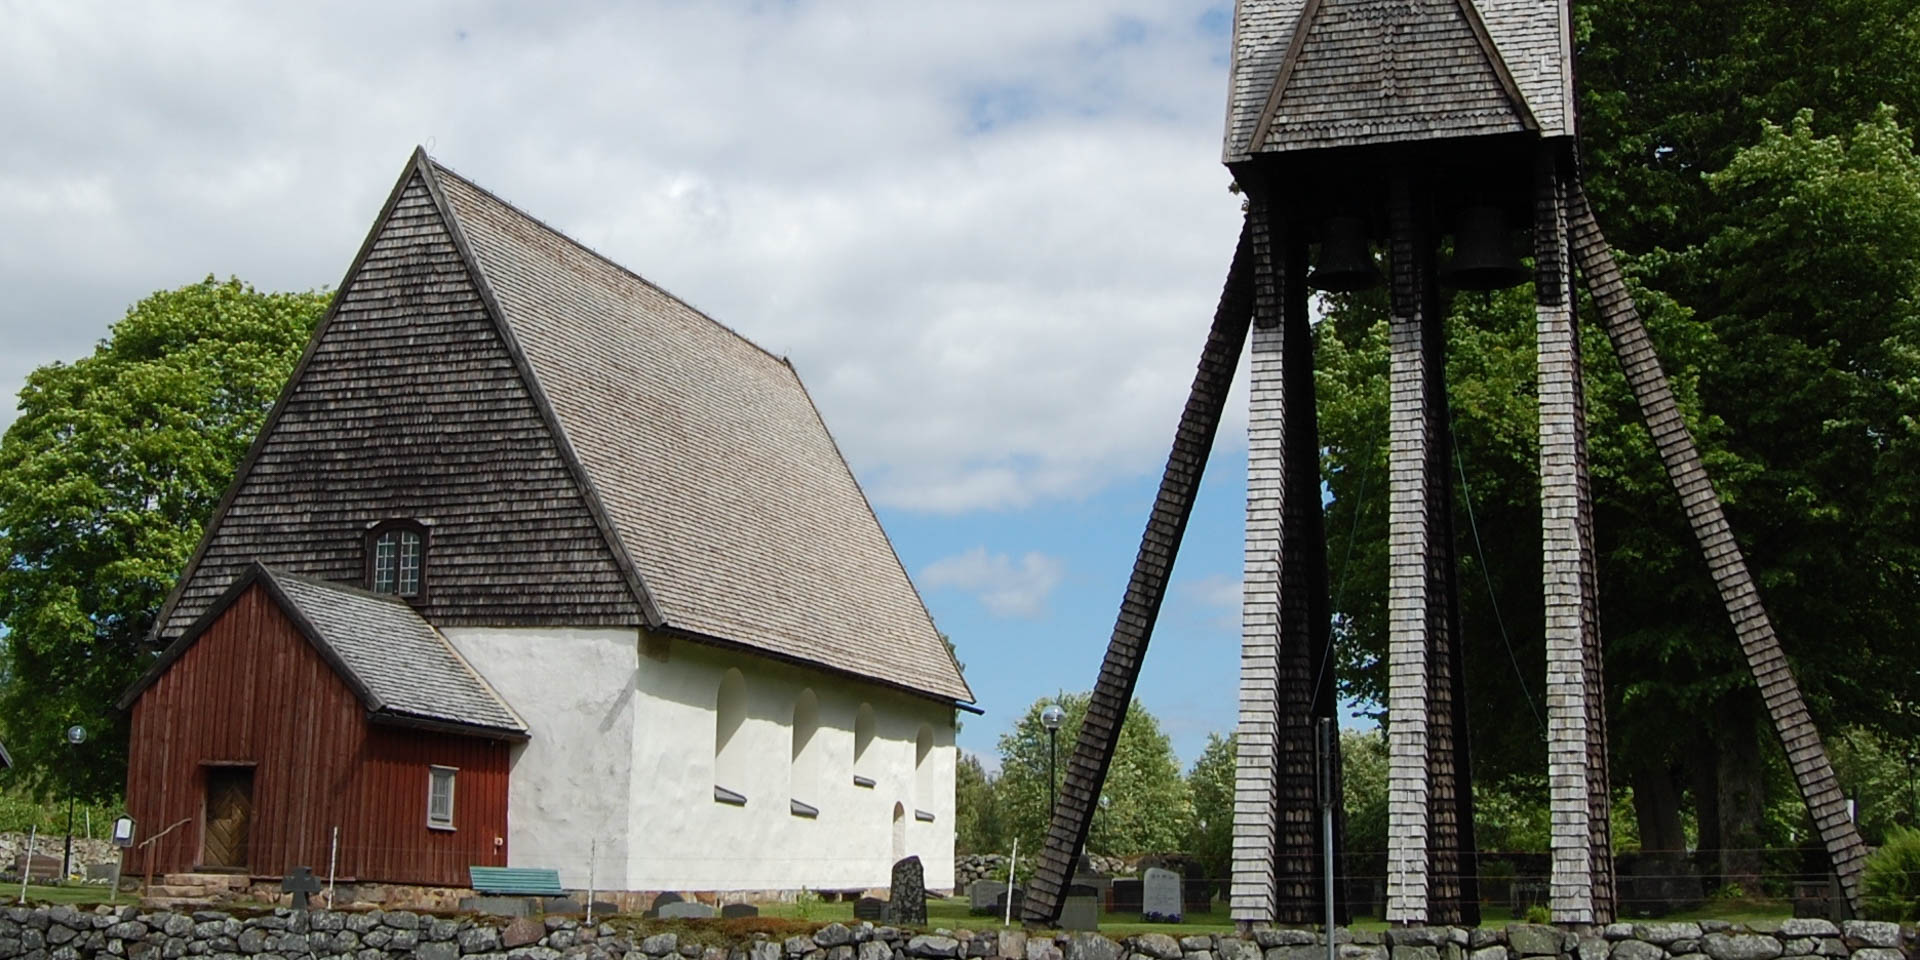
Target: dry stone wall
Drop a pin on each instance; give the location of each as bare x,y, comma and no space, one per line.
67,933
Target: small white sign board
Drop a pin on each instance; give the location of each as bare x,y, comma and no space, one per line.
123,832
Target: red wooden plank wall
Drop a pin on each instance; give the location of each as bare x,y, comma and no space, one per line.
253,691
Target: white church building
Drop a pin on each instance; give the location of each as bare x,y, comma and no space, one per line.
587,583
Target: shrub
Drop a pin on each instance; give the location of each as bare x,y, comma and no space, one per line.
1891,887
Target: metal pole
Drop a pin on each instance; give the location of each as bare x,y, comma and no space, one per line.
1053,748
1326,824
26,866
1012,861
593,848
333,861
66,859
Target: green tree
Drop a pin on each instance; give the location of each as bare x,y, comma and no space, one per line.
106,479
1210,838
1798,375
1144,808
1363,789
977,824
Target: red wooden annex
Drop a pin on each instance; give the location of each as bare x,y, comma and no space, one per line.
295,706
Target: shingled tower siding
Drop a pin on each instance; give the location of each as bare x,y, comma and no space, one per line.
1257,758
1579,891
1409,528
1112,692
1808,759
408,405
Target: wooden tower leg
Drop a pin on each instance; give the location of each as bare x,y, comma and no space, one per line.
1430,863
1805,755
1285,617
1099,733
1581,889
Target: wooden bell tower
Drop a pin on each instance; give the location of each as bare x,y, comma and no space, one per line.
1400,127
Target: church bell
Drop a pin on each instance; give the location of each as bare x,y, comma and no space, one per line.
1346,262
1481,258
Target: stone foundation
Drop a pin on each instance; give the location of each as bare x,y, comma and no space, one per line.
66,933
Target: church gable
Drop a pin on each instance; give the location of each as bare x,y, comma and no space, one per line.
410,406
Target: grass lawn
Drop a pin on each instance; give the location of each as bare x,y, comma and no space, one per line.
87,893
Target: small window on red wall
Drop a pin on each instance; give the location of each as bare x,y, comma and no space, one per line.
440,797
397,558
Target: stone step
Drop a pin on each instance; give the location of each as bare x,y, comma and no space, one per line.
174,903
222,881
183,891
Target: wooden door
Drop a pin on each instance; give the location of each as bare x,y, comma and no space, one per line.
229,810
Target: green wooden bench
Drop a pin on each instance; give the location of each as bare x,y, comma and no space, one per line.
516,881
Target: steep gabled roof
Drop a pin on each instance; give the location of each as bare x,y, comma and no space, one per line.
721,481
399,666
1328,73
673,454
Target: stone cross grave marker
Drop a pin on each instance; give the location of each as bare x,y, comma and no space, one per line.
909,895
1160,896
983,894
301,882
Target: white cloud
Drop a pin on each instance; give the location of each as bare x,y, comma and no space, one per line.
989,235
1004,587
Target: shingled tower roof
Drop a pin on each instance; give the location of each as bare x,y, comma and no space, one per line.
699,490
1310,74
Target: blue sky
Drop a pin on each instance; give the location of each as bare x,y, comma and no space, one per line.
989,236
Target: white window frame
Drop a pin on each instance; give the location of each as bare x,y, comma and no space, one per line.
434,772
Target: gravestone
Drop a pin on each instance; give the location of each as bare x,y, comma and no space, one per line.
687,910
1000,903
1124,895
732,910
300,883
661,902
40,866
908,898
1081,908
1160,896
872,909
984,895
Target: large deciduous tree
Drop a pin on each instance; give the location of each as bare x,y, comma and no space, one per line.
106,480
1144,806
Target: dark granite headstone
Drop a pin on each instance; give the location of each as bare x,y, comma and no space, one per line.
983,895
733,910
300,883
561,906
870,908
1000,903
661,901
908,897
1126,894
687,910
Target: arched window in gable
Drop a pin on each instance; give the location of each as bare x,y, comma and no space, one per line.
397,558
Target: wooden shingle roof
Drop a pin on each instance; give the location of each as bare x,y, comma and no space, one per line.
718,475
399,666
1311,74
587,449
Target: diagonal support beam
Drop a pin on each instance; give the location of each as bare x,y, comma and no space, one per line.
1728,566
1100,732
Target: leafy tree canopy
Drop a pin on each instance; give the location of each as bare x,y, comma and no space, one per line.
1145,806
106,479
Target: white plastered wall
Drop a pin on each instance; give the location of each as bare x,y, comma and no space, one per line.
567,797
683,839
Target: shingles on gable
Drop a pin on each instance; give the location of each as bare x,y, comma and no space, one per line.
408,405
714,467
1374,71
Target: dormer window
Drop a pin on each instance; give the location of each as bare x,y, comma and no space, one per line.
396,556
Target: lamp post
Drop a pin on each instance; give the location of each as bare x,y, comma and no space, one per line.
76,735
1050,718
